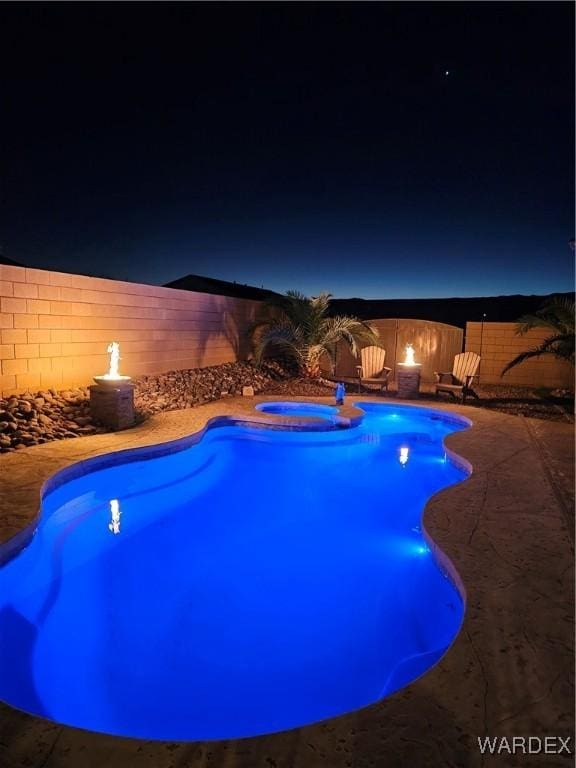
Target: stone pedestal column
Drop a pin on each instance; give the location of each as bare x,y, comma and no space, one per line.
408,381
113,405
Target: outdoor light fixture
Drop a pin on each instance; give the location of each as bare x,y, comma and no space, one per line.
113,376
408,374
409,356
112,399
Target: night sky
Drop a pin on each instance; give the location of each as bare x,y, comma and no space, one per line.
382,150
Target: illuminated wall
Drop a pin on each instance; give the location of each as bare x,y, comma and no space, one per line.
435,345
55,328
497,344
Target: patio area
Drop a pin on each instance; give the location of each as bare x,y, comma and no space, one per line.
508,530
287,390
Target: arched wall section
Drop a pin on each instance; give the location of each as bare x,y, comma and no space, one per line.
435,345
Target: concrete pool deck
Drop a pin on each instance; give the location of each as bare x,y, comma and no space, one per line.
508,530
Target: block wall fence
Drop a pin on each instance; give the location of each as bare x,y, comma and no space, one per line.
497,344
55,328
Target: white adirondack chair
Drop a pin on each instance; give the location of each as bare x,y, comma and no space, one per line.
373,373
459,382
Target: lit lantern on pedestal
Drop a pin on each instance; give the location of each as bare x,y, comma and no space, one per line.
409,356
409,375
112,399
113,375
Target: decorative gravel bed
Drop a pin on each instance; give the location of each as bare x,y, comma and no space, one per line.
184,389
548,404
33,418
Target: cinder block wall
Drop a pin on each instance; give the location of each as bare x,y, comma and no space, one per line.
497,344
55,328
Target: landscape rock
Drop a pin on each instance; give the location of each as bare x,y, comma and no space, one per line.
187,388
39,417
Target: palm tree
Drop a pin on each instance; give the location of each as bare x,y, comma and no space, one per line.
298,327
557,315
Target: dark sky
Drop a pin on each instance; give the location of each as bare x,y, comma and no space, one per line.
317,146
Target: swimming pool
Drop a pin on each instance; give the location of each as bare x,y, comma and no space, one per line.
296,409
251,582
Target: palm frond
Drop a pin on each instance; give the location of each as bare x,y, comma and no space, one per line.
526,355
564,309
300,311
298,295
283,338
350,330
321,304
560,346
255,327
300,327
557,314
316,310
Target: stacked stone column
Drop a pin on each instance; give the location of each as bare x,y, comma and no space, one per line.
408,377
113,404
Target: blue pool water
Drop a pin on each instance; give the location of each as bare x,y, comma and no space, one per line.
253,582
299,409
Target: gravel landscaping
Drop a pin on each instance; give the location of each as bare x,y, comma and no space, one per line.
32,419
35,418
548,404
184,389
